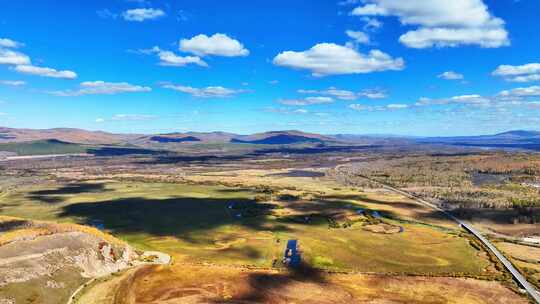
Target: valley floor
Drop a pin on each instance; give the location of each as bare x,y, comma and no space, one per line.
226,229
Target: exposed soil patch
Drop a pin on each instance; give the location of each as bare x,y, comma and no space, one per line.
383,228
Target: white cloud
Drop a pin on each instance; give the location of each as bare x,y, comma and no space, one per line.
287,111
532,91
371,24
132,117
358,107
331,59
217,45
390,107
396,106
45,72
449,37
346,94
359,37
8,43
12,57
168,58
127,117
441,24
307,101
348,2
373,94
518,73
273,82
15,83
451,75
106,14
332,91
207,92
141,14
471,99
23,63
102,87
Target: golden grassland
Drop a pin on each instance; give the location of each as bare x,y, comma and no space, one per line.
30,229
193,224
221,256
224,284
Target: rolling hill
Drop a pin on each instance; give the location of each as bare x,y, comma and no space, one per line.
41,147
63,134
283,138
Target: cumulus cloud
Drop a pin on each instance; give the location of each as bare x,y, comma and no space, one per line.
312,100
518,73
8,43
45,72
287,111
102,87
348,2
23,64
451,75
15,83
371,24
106,14
215,45
141,14
397,106
517,97
532,91
373,94
346,94
472,99
168,58
13,57
326,59
441,24
207,92
389,107
358,37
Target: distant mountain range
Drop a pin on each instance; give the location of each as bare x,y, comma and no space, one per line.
511,139
175,141
80,136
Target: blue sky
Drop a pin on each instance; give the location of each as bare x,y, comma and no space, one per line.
419,67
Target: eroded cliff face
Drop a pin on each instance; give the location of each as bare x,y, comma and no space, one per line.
45,263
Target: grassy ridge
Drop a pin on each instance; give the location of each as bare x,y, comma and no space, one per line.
42,147
54,146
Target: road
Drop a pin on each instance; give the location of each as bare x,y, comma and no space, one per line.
515,273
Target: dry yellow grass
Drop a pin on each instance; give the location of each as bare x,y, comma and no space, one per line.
520,251
35,228
221,284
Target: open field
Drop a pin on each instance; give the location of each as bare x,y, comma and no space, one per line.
222,284
494,190
195,224
526,258
230,218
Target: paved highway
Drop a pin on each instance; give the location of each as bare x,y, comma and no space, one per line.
515,273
